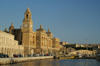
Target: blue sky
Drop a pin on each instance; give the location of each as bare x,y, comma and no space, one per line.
74,21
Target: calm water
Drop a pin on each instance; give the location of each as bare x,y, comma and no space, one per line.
51,62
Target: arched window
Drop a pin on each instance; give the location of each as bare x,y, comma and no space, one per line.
27,16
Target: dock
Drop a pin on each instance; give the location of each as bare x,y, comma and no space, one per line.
22,59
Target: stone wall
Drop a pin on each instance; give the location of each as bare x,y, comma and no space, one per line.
16,60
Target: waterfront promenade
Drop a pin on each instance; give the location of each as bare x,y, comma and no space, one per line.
22,59
57,62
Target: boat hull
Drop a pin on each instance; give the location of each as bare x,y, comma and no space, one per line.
98,58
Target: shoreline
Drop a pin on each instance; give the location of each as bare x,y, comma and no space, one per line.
22,59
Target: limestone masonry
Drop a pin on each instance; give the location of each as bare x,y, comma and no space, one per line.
25,41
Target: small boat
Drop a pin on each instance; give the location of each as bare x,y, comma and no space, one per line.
98,56
67,57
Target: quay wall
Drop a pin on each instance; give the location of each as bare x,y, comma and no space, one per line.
22,59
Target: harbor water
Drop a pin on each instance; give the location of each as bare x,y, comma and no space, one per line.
57,62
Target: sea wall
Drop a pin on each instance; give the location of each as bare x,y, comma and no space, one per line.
22,59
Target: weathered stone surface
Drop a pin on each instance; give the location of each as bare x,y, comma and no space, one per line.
16,60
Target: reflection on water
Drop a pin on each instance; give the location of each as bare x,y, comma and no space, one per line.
51,62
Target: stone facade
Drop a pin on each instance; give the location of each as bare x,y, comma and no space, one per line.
56,45
64,43
41,42
8,45
16,32
87,52
44,41
18,35
10,28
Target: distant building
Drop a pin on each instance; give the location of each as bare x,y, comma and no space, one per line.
64,43
83,46
88,53
99,46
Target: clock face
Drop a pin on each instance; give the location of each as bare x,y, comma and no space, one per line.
31,25
25,25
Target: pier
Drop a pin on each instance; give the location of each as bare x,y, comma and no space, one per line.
22,59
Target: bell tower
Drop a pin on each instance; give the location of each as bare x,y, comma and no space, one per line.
27,22
28,34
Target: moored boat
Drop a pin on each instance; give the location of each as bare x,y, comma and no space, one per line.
98,56
67,57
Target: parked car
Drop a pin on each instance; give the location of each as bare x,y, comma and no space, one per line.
44,54
3,55
33,55
37,55
40,55
29,55
6,56
19,55
14,55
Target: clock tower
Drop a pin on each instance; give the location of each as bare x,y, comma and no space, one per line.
27,22
29,36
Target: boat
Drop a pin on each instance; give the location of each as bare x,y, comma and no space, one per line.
98,56
67,57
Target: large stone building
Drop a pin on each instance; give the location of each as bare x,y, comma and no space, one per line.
44,42
41,42
8,45
16,32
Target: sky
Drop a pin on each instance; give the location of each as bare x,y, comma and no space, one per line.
73,21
